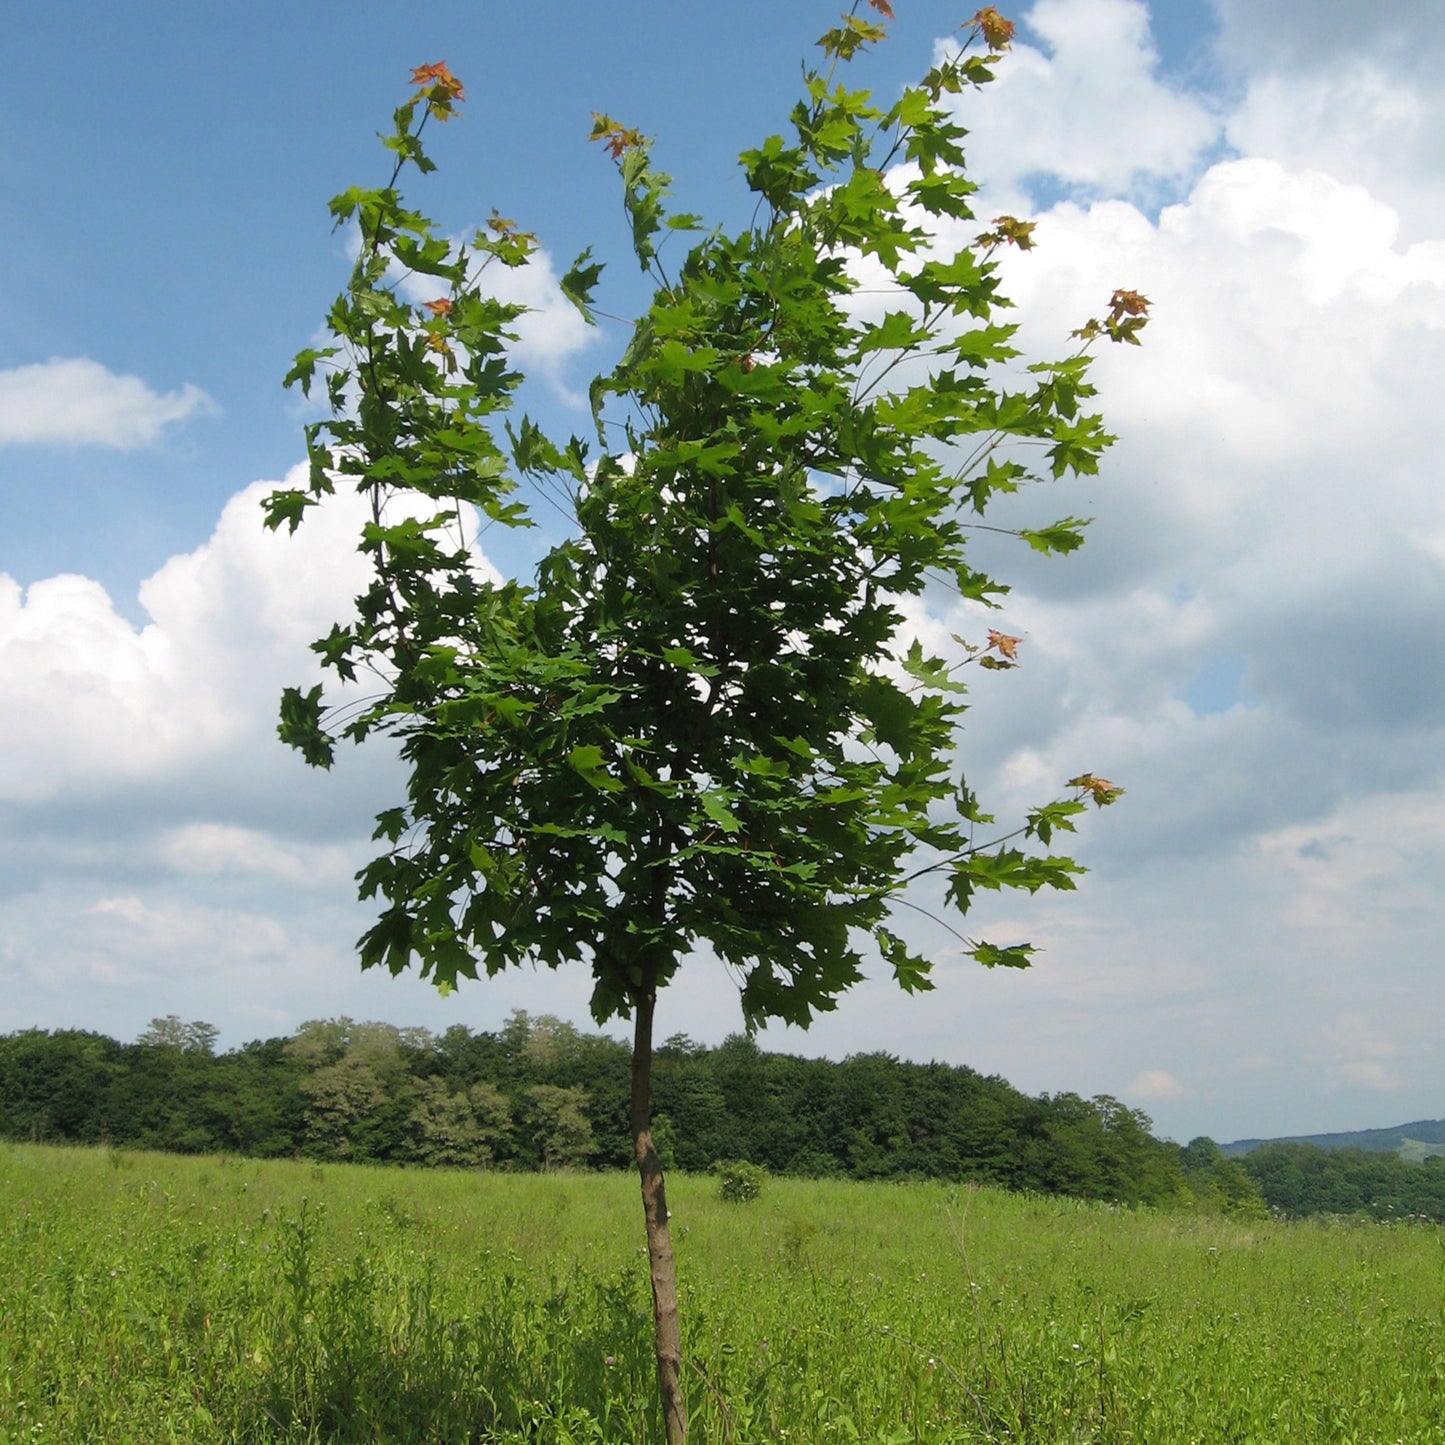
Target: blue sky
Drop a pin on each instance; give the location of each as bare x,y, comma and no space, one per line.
164,191
1251,643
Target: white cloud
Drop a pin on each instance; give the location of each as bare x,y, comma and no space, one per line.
78,402
1274,504
88,699
208,849
150,819
1327,86
174,936
1153,1085
1089,109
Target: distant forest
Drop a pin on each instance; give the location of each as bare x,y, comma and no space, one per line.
539,1094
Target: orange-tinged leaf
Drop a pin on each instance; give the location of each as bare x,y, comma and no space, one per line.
998,33
1101,789
425,74
442,89
1011,230
443,348
438,76
883,8
619,138
1128,303
1005,645
441,307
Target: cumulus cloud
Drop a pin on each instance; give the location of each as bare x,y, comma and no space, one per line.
1324,89
551,331
1086,108
77,402
87,698
1272,503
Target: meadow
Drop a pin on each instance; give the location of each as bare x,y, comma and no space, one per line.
152,1298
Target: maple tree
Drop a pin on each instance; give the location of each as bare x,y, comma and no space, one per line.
703,723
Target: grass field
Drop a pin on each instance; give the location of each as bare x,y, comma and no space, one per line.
149,1298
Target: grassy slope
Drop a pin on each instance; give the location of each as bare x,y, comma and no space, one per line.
149,1298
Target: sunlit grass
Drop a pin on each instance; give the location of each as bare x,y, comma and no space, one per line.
149,1298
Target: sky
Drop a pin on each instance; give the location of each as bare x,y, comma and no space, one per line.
1252,643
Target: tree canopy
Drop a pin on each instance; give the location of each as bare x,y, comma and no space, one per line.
704,722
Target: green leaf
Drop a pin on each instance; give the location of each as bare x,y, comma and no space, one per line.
932,672
847,39
580,281
1064,536
715,804
910,969
304,367
300,726
588,762
1016,955
896,332
287,505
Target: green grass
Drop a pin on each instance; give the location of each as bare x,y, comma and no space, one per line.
149,1298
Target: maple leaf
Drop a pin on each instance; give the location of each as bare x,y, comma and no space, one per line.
619,138
1127,303
1102,790
846,40
1011,230
1005,645
1128,315
883,8
997,32
443,348
442,89
442,307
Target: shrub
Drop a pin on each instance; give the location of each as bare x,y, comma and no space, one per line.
738,1181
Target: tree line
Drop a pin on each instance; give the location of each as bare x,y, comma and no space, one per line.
1299,1180
540,1094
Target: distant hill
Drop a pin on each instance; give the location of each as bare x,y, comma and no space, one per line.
1415,1141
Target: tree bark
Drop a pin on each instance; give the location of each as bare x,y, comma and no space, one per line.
659,1239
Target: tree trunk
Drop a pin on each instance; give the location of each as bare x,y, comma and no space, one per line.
659,1239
